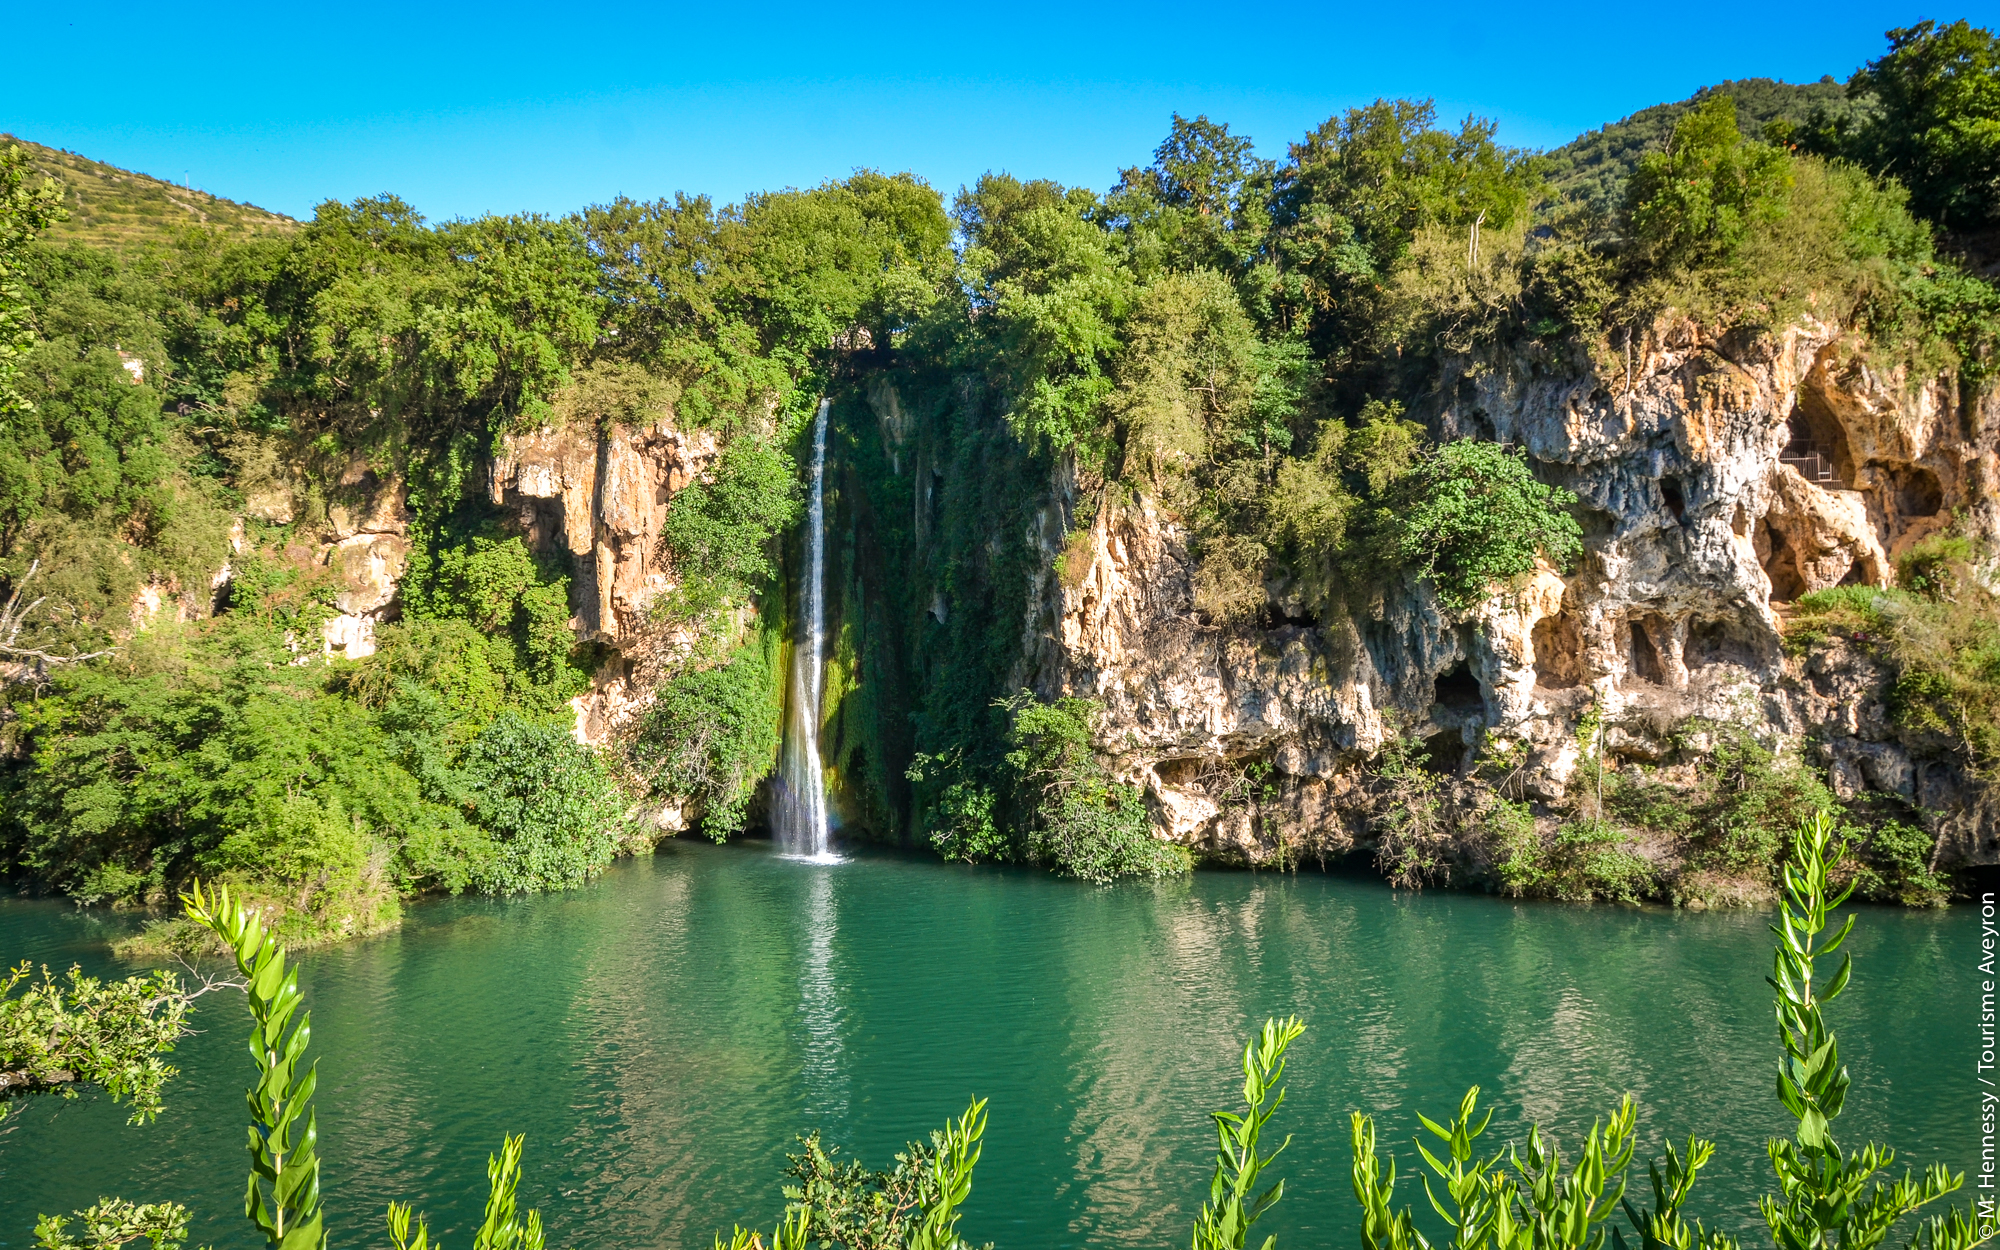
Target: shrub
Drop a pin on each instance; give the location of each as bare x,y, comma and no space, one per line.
711,735
1941,634
1079,821
1593,859
1744,802
1696,201
1468,515
1894,866
964,824
717,530
548,801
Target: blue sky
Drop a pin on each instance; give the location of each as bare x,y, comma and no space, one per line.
501,108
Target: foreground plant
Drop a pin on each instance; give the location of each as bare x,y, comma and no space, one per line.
1827,1199
1513,1199
283,1197
58,1035
112,1222
914,1207
1233,1204
503,1227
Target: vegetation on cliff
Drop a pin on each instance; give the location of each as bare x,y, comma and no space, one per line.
1251,349
206,417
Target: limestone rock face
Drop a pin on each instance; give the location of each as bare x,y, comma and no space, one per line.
1723,476
370,519
602,497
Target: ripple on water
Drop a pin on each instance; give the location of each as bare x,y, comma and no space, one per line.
661,1036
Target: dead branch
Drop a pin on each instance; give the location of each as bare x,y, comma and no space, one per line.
32,662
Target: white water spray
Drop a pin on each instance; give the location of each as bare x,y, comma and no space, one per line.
801,814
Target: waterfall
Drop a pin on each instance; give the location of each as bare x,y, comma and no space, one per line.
801,814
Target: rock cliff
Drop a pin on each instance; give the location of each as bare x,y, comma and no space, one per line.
1722,477
601,496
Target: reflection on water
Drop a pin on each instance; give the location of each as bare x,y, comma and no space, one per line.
819,1004
662,1036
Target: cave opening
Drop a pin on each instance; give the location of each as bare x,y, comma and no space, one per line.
1458,690
1816,444
1558,647
1781,563
1718,641
1644,658
1917,491
1673,496
1444,752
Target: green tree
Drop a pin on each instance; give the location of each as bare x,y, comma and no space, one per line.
1204,202
1695,202
24,213
1935,124
1353,195
718,531
1050,293
1468,516
710,736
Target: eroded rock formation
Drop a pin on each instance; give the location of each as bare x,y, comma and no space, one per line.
602,497
599,498
1723,476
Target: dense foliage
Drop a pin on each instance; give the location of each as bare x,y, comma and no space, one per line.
1079,820
1932,121
57,1035
710,735
1250,351
1261,354
284,384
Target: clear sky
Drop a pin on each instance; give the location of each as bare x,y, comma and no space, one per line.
466,109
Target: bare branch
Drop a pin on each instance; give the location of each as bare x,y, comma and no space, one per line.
30,663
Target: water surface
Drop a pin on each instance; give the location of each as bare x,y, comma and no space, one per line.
662,1035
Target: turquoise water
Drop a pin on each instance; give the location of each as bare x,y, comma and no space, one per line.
660,1037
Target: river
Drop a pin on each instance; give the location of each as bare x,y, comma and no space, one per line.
661,1036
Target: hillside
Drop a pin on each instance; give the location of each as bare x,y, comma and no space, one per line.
1592,168
116,208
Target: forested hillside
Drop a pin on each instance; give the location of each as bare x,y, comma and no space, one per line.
211,432
1592,169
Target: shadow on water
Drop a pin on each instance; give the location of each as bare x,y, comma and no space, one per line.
662,1035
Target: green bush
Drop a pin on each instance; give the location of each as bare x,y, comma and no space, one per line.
1697,200
1468,516
1079,821
549,803
710,736
1894,866
964,821
718,531
1744,803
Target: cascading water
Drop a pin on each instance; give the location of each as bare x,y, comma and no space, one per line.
801,807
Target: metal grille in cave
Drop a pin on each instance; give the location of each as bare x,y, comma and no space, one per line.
1805,454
